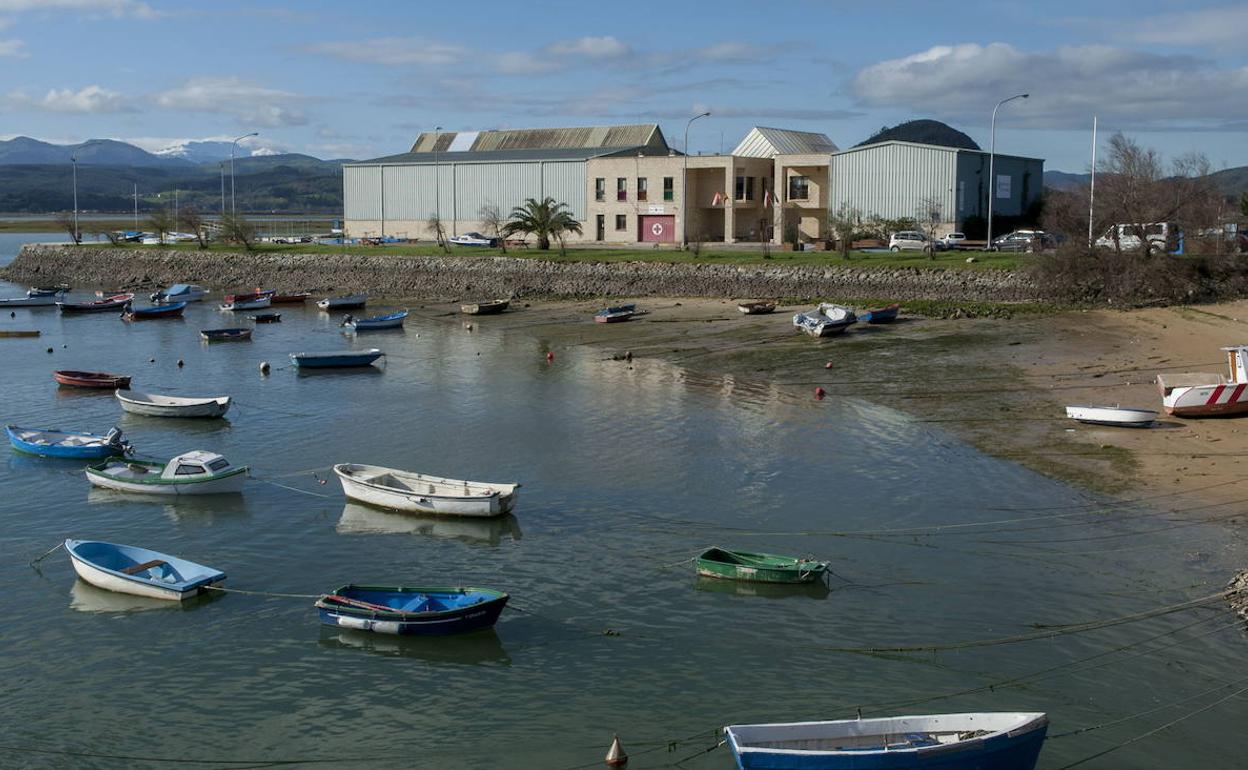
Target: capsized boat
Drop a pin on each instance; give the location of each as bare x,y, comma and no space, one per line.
154,405
420,493
194,473
169,310
492,307
129,569
1208,395
76,379
611,315
826,320
67,444
221,335
389,321
881,315
1120,416
756,308
412,610
114,302
346,302
180,292
338,359
759,567
978,741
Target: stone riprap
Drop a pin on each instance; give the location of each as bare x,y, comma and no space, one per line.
461,277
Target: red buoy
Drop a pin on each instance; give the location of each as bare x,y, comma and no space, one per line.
819,393
550,356
828,365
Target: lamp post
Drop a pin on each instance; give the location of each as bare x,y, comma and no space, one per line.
684,183
222,167
992,157
74,160
233,146
437,184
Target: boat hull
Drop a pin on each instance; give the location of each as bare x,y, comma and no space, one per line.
231,483
290,299
484,308
101,380
173,310
201,408
49,300
99,450
336,361
1220,400
413,502
114,580
881,315
756,308
103,306
225,335
343,303
798,572
1112,416
251,304
462,620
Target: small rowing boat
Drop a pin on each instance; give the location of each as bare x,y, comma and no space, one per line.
66,444
346,302
611,315
255,301
77,379
881,315
1119,416
1199,394
193,473
412,611
290,299
19,332
48,291
266,318
492,307
43,300
826,320
115,302
221,335
129,569
419,493
756,308
336,359
180,292
155,312
153,405
758,567
390,321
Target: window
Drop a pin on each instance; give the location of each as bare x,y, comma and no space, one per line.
189,470
218,464
669,192
749,188
643,188
799,188
600,189
621,221
738,192
621,189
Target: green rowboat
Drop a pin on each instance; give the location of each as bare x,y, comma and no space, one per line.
759,567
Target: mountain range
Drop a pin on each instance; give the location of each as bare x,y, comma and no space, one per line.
1233,182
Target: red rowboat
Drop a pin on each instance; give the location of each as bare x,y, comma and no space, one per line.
281,299
91,379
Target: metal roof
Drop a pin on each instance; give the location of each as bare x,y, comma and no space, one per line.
502,156
764,142
580,137
924,146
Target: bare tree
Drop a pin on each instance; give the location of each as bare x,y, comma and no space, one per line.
929,214
161,222
115,238
66,220
434,225
238,229
493,221
195,223
844,222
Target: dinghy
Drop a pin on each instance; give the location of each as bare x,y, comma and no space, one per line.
67,444
180,292
493,307
194,473
412,611
339,359
255,301
75,379
48,291
881,315
1120,416
390,321
171,310
225,335
758,567
290,299
129,569
347,302
1208,395
980,741
266,318
115,302
419,493
154,405
826,320
44,300
756,308
611,315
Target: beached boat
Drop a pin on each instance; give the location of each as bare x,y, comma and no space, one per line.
154,405
826,320
756,308
615,314
336,359
78,379
412,610
155,312
758,567
258,301
347,302
979,741
67,444
180,292
193,473
881,315
1200,394
48,291
19,332
1121,416
113,303
492,307
291,299
389,321
45,300
266,318
225,335
129,569
419,493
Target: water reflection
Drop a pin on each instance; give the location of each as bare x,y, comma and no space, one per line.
359,519
466,649
178,508
85,597
329,373
816,590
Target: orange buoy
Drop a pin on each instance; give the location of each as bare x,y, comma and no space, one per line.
820,393
615,755
550,356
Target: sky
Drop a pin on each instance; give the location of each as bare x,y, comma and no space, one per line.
362,79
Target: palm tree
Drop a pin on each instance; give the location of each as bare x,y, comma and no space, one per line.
544,219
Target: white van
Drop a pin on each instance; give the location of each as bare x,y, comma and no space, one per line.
1161,237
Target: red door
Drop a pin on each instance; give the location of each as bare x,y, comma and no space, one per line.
657,228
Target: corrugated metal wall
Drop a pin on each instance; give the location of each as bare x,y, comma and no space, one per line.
890,181
1026,183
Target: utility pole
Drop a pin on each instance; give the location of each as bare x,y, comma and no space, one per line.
437,186
1092,189
74,160
222,165
136,207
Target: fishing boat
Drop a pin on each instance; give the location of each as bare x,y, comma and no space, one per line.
411,610
155,312
290,299
391,321
225,335
978,741
419,493
19,332
756,308
43,300
154,405
255,301
336,359
48,291
180,292
1125,417
881,315
77,379
129,569
193,473
346,302
492,307
115,302
1208,395
615,314
266,318
758,567
67,444
826,320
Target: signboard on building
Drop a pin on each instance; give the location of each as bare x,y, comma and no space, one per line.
656,209
1003,186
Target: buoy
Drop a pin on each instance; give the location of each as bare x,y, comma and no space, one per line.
264,367
151,360
181,363
628,355
12,314
615,755
820,393
828,365
550,356
49,350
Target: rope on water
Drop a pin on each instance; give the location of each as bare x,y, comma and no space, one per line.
48,553
1146,712
677,564
293,489
272,594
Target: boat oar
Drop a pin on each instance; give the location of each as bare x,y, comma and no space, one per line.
357,603
48,553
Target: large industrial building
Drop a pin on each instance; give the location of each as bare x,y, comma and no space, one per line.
625,185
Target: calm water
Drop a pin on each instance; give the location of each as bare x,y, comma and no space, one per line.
626,470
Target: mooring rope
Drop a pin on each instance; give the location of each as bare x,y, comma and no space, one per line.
293,489
272,594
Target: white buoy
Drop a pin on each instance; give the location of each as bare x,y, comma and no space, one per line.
615,755
264,367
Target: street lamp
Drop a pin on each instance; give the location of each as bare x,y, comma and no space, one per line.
233,145
437,184
74,160
684,183
992,157
221,165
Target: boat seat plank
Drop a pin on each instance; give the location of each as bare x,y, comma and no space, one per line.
137,568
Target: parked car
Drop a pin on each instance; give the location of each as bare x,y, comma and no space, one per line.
912,240
1023,240
953,240
1161,236
473,239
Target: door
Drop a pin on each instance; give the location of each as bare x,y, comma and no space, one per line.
656,228
600,227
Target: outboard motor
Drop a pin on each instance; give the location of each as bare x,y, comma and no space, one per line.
116,441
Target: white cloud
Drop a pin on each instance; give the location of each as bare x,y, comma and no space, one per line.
392,51
115,8
730,52
14,48
1216,27
251,104
90,99
606,47
5,23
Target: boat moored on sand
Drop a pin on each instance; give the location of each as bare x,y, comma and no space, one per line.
346,302
825,320
1208,395
1118,416
491,307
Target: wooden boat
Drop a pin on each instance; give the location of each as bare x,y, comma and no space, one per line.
980,741
1208,395
180,292
154,405
346,302
492,307
391,321
266,318
44,300
758,567
881,315
115,302
412,611
129,569
235,302
419,493
826,320
91,379
66,444
19,332
615,314
193,473
219,335
171,310
1124,417
48,291
756,308
290,299
336,359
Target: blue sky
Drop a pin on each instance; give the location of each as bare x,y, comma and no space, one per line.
361,79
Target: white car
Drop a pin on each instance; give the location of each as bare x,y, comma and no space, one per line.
953,240
473,239
910,240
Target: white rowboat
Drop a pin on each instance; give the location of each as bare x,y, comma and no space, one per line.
154,405
1126,417
419,493
343,303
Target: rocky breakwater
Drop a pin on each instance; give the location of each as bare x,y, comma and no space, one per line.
461,277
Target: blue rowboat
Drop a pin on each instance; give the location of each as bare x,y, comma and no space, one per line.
412,611
336,359
391,321
882,315
129,569
171,310
980,741
215,335
66,444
